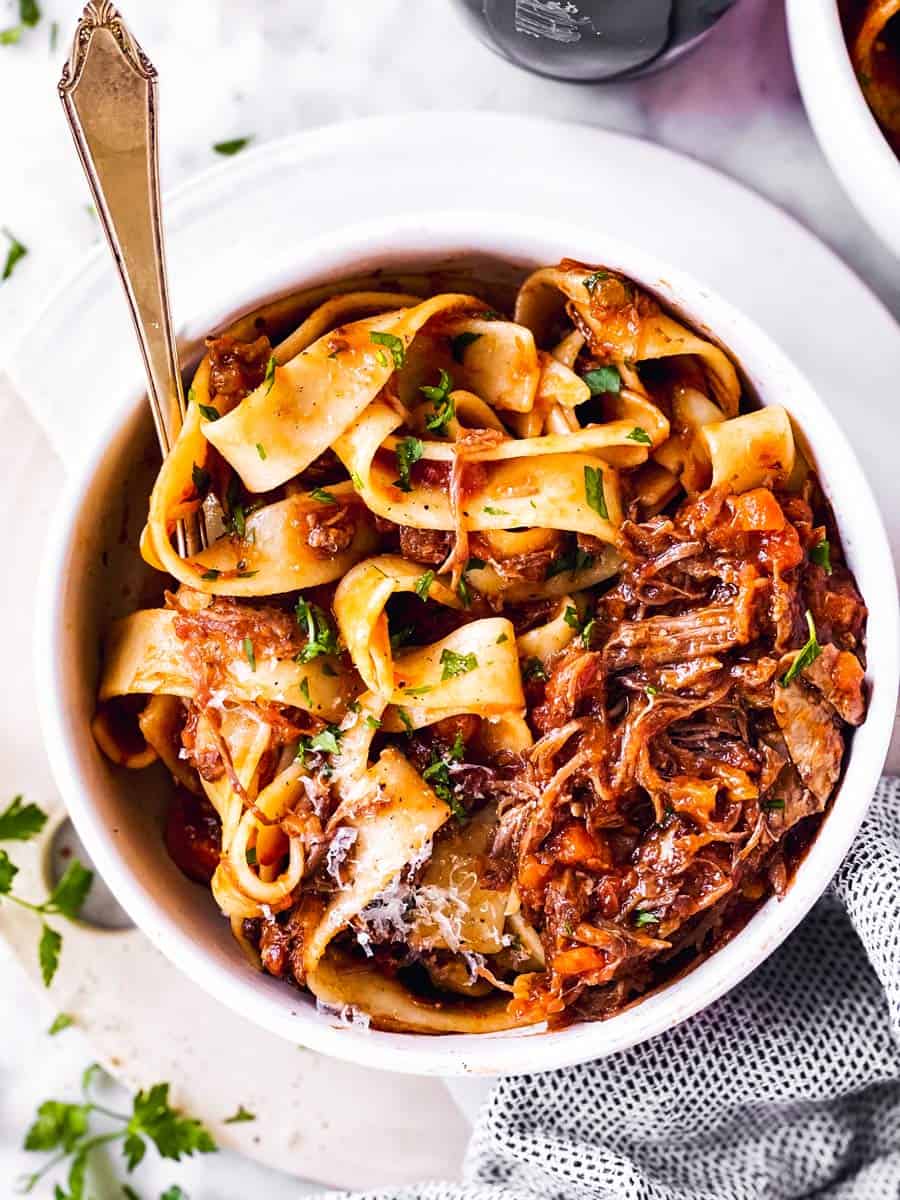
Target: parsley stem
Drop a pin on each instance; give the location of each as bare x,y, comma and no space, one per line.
107,1112
38,909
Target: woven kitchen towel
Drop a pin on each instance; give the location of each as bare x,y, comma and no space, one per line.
787,1087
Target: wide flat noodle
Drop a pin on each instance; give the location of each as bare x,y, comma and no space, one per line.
143,655
390,834
623,324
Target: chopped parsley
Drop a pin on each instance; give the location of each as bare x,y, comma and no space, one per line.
646,918
650,691
304,689
372,722
17,250
475,564
405,719
9,37
392,343
640,435
454,664
591,281
533,668
200,479
460,344
419,691
423,585
572,619
327,740
408,451
806,656
442,403
29,12
356,480
322,496
240,1117
60,1022
402,636
821,555
773,805
593,491
464,591
210,413
269,377
236,521
320,637
501,639
574,561
437,773
261,451
232,146
250,653
603,380
212,573
496,512
251,856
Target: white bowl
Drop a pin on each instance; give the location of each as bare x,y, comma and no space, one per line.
848,133
88,564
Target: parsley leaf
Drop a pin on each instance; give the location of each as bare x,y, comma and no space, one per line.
602,380
232,146
172,1134
408,451
806,656
575,560
57,1126
49,948
212,573
437,773
60,1022
71,892
593,491
327,740
405,719
9,37
821,554
442,402
322,496
29,12
320,637
454,664
8,872
261,451
591,281
640,435
19,822
501,639
210,413
172,1193
460,344
533,668
646,918
250,653
16,250
269,377
464,591
392,343
496,512
423,584
240,1117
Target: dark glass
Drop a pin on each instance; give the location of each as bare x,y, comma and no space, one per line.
586,41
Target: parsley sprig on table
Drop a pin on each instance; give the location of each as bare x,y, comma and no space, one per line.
66,1129
20,823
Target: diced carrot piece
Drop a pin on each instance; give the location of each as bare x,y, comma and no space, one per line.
576,845
579,960
534,874
756,511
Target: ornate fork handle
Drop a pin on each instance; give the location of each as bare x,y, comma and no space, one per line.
109,93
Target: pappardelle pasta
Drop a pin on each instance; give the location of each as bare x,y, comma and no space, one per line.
518,668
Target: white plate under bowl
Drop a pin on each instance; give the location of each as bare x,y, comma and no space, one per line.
847,131
114,812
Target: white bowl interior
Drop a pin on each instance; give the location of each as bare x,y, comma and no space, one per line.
92,573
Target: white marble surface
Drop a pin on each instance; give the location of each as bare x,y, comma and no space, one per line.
232,68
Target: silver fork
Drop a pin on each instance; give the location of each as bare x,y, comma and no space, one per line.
109,93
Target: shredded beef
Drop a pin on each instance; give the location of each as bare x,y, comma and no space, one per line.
235,367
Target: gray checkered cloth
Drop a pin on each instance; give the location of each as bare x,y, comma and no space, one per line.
787,1087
